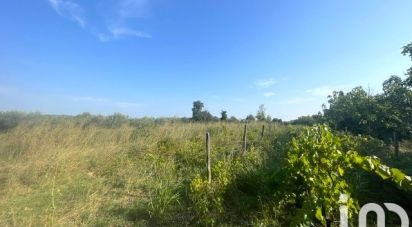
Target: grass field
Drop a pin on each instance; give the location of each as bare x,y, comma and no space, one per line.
63,172
67,172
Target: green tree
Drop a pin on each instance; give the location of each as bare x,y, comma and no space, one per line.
10,119
278,120
233,119
223,115
261,113
198,114
407,50
197,110
386,116
355,111
206,116
395,111
305,120
250,117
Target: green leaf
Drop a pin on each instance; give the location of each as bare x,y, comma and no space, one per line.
383,171
340,171
319,215
397,175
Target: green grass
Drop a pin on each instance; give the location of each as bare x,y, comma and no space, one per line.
63,171
60,172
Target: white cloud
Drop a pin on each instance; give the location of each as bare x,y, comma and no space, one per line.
268,94
104,37
132,8
121,32
124,31
116,29
69,9
265,83
88,99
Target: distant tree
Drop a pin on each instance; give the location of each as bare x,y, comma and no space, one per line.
206,116
186,119
395,111
10,119
198,114
319,119
223,115
387,116
277,120
308,120
197,110
268,118
233,119
355,111
407,50
85,115
304,120
250,117
261,113
115,120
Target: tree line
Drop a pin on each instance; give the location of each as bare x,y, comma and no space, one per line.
201,115
386,115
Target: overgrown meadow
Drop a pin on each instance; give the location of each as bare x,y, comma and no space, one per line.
112,171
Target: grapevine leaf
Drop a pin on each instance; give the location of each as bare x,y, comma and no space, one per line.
318,214
397,175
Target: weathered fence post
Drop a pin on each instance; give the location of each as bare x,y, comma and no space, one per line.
263,131
208,164
244,138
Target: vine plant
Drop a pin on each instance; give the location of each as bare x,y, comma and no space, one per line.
314,176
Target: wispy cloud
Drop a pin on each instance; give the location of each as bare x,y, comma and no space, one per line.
265,83
87,99
115,26
268,94
121,32
70,10
132,8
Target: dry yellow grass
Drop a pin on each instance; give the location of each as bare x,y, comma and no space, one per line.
61,173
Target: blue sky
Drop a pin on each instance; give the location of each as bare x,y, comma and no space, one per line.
155,57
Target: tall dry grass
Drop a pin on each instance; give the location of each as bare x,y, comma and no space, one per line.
62,173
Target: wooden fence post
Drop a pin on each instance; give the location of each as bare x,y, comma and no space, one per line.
208,164
263,131
244,138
